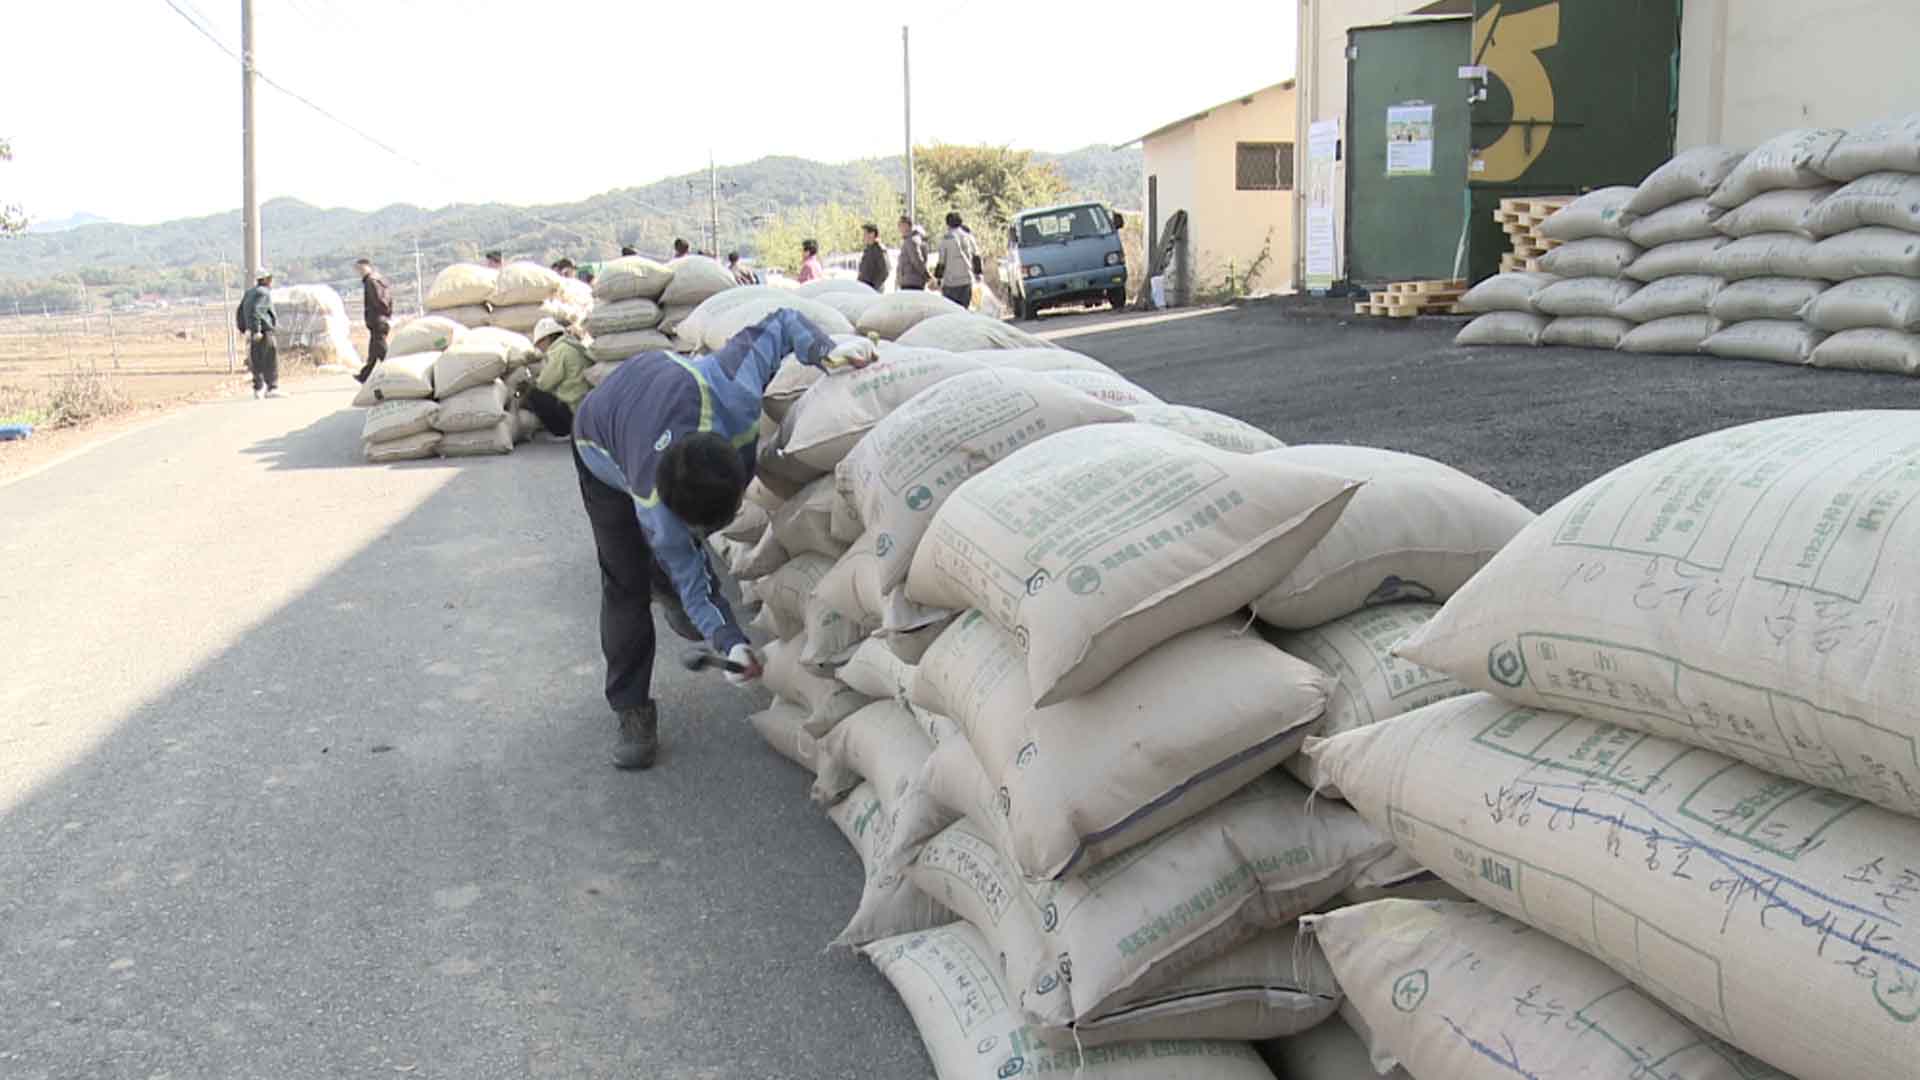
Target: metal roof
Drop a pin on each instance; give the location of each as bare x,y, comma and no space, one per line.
1242,99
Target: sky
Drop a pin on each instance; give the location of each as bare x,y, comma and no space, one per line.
128,112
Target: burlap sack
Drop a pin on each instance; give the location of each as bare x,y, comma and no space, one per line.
1370,684
1113,389
398,419
425,333
966,1016
1585,297
399,378
1599,257
1693,219
1677,334
460,285
1888,199
1777,340
897,313
1330,1051
1764,298
1870,350
406,448
473,409
1699,879
1047,359
1889,145
1586,332
1599,214
485,442
781,725
1764,255
623,316
696,278
1417,530
1690,174
1669,260
876,672
967,332
827,701
901,473
1457,991
836,412
630,277
889,903
1865,253
1783,211
469,316
883,744
1094,545
1079,949
1784,161
1503,328
1745,591
1218,430
523,283
784,591
1079,780
719,327
1512,291
1686,294
1886,303
850,305
1272,986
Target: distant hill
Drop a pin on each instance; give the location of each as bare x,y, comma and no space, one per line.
73,221
304,242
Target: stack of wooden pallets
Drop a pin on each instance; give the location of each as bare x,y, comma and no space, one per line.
1521,219
1405,299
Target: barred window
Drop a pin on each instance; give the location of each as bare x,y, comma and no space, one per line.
1263,166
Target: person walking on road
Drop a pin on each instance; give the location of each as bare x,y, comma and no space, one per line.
810,268
873,259
555,395
665,448
910,270
959,265
255,320
376,296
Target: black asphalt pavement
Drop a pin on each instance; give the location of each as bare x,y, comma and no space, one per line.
303,762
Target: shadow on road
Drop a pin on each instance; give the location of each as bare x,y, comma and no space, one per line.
379,832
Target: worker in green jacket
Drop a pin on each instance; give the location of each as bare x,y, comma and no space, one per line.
563,377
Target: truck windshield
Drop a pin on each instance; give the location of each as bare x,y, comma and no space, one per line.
1059,226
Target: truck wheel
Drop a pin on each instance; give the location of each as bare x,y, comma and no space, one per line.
1118,298
1022,308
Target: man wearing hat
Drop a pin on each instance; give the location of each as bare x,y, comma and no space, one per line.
255,320
555,395
377,298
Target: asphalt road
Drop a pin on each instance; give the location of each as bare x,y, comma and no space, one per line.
303,761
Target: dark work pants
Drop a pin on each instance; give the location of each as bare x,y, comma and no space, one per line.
376,350
553,413
263,359
629,577
959,294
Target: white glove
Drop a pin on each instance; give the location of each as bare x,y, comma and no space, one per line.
744,657
852,354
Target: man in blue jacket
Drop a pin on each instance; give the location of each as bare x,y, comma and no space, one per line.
665,447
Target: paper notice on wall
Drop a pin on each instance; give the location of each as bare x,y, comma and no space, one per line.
1410,140
1323,140
1321,269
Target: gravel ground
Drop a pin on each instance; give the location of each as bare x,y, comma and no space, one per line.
1536,423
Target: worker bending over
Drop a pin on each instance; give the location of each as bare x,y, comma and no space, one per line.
665,447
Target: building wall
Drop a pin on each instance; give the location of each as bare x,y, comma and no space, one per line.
1228,229
1750,69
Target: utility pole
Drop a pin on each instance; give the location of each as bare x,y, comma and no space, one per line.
249,190
713,204
906,88
226,296
419,279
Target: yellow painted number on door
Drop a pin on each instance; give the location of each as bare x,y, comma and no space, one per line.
1513,56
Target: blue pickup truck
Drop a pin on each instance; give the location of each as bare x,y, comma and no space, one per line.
1067,254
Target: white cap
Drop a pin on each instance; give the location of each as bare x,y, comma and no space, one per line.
546,328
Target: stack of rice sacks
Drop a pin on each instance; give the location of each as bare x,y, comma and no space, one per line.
626,311
1868,233
462,292
526,292
446,389
1010,640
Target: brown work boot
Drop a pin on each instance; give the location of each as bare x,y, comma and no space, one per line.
639,738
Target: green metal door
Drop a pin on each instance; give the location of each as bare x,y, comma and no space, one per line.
1577,95
1407,120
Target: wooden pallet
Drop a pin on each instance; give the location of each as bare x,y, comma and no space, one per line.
1521,219
1406,299
1510,262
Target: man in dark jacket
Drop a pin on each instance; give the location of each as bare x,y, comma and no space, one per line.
910,272
255,320
377,296
665,447
873,260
